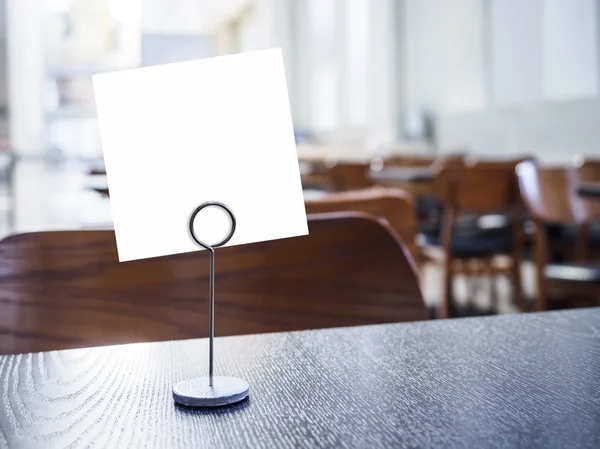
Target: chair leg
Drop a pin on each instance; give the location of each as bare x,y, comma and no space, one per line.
541,301
541,257
446,307
516,260
471,274
517,285
448,304
491,274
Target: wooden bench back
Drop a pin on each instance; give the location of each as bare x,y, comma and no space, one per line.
66,289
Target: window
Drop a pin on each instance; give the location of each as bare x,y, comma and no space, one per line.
356,38
84,37
323,75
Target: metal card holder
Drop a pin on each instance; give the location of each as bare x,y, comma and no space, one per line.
211,391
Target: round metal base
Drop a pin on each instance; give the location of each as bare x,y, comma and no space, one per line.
197,392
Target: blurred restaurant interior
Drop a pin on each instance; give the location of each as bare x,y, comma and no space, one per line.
446,294
470,126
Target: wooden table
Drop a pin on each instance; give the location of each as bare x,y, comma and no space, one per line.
323,153
313,194
403,174
418,181
589,190
528,380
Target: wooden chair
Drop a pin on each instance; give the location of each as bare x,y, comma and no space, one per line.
393,205
349,176
468,193
428,208
549,193
66,289
314,175
588,169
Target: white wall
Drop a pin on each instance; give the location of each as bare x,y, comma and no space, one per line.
515,46
356,37
571,49
506,75
501,75
553,131
444,63
382,83
463,55
421,38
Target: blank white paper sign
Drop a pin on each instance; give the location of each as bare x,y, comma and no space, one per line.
178,135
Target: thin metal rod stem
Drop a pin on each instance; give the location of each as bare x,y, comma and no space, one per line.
211,249
211,312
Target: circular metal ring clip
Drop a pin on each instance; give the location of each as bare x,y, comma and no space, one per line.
203,206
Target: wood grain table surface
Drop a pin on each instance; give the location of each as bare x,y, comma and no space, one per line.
511,381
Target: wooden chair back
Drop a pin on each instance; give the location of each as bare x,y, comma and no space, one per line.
550,196
349,176
394,205
314,175
430,164
588,169
549,193
66,289
478,186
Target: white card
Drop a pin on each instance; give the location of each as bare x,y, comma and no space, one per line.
178,135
